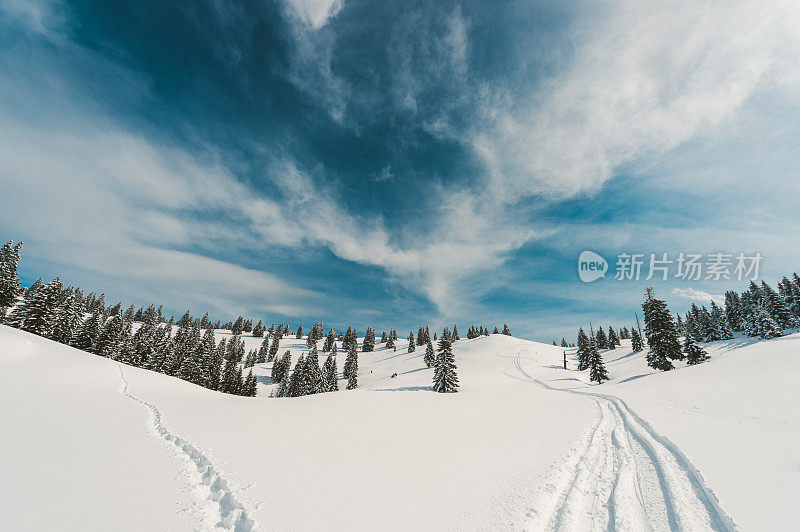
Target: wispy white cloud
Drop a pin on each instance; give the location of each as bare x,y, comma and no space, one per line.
643,79
698,295
314,14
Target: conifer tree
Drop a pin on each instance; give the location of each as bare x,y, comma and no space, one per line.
694,353
368,344
37,312
313,373
258,330
299,334
430,355
351,368
583,350
613,339
238,326
456,337
250,385
281,367
495,330
662,337
597,370
297,380
636,341
411,344
765,326
775,305
215,365
329,340
564,342
9,278
172,361
108,341
330,378
733,311
273,349
445,379
601,339
87,333
506,330
68,318
383,337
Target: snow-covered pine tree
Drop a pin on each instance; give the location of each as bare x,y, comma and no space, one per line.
506,330
564,342
383,338
250,385
215,365
720,323
583,350
662,337
411,344
190,368
329,340
281,366
694,353
791,296
313,373
329,376
777,308
495,330
766,326
273,349
263,351
613,339
601,339
351,365
258,330
172,361
636,341
733,310
108,341
597,370
68,318
297,380
445,378
238,382
38,311
87,333
368,345
390,342
9,278
430,355
299,334
455,336
238,326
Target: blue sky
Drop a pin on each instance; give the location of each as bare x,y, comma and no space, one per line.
391,165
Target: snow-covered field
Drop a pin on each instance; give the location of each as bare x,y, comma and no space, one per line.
88,444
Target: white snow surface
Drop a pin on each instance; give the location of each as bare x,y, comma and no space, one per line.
90,444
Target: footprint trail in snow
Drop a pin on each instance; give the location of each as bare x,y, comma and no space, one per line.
219,507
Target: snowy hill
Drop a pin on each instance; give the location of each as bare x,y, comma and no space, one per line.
92,444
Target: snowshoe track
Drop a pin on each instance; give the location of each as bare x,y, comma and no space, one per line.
623,475
219,506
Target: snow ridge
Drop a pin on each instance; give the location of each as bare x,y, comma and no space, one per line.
643,480
221,510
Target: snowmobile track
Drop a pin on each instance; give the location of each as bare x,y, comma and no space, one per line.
221,510
623,475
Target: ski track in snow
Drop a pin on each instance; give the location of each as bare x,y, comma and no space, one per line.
220,509
623,475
